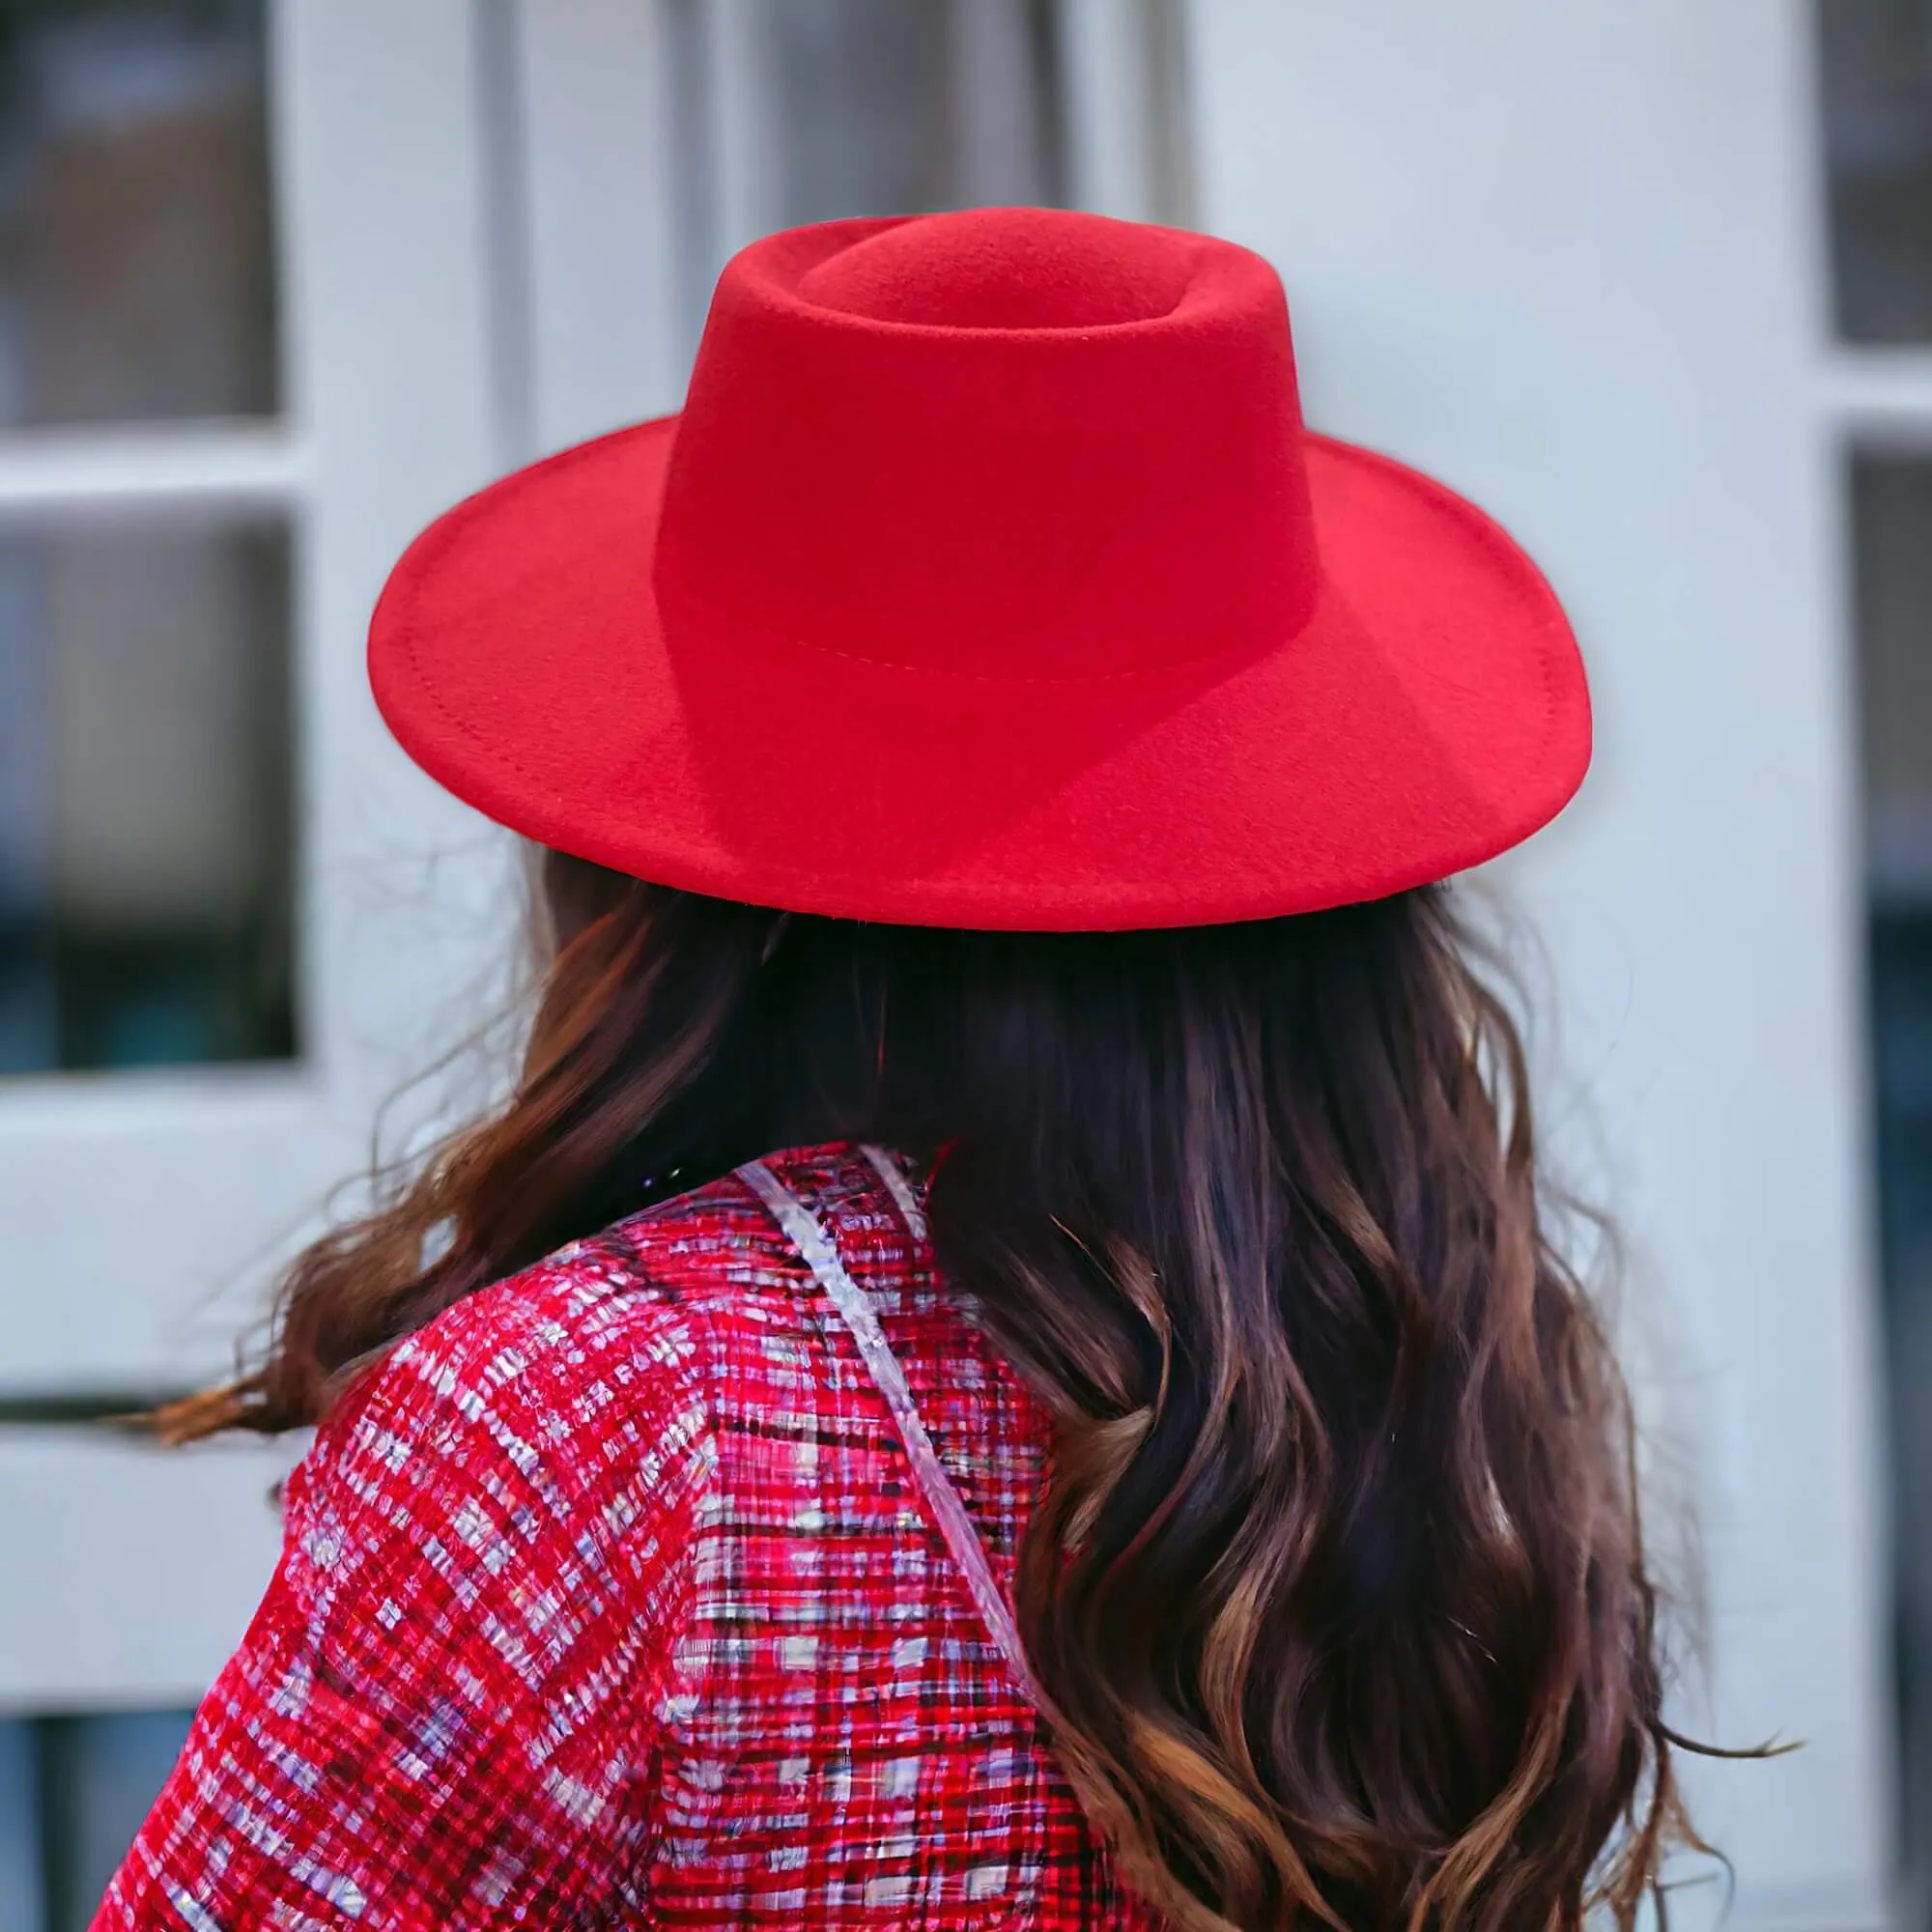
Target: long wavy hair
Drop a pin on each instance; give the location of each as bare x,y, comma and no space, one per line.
1337,1588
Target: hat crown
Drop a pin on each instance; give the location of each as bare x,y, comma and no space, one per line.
976,585
1005,268
1009,443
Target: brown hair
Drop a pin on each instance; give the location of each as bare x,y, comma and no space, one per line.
1337,1588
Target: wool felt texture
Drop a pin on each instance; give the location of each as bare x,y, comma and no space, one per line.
990,579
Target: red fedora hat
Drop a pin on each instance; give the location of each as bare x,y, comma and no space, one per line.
989,579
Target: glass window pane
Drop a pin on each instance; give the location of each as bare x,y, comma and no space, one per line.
73,1791
136,259
22,1896
1876,66
889,109
145,794
1891,534
1891,498
865,107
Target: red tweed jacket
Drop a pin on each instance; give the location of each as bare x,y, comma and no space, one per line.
610,1601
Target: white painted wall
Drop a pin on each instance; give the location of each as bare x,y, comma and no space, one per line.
1566,257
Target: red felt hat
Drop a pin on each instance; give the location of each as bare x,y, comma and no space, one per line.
989,579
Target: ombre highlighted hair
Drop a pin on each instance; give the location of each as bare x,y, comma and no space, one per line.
1337,1588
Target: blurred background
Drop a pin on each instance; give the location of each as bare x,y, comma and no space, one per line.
1650,278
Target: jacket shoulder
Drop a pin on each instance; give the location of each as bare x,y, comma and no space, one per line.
667,1293
668,1303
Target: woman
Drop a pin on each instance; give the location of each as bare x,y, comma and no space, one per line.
1001,1365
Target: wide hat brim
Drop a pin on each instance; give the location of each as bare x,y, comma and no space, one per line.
1431,713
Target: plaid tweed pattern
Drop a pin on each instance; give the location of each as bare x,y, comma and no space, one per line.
610,1599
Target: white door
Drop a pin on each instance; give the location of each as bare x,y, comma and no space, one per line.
1571,258
246,347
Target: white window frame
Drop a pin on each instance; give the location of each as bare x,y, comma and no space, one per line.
141,1213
